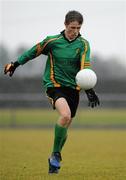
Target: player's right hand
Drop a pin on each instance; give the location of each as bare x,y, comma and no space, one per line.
92,98
9,68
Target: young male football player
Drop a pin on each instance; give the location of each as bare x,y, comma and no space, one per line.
67,52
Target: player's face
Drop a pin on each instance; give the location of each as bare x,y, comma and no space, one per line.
72,30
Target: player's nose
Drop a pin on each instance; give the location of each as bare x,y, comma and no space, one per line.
76,31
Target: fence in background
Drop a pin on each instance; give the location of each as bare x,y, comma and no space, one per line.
38,100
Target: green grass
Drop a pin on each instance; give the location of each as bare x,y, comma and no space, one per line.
49,117
87,155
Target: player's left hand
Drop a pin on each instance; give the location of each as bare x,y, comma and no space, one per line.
92,98
10,68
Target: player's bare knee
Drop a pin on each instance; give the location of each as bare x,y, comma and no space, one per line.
66,118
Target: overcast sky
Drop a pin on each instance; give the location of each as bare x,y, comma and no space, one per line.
26,22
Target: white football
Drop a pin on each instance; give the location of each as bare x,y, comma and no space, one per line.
86,79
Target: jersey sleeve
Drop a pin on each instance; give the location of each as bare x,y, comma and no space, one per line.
40,48
85,55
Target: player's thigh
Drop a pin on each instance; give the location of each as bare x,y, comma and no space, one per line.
63,107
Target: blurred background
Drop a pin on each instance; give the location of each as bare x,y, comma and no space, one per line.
25,23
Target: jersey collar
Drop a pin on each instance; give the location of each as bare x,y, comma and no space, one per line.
63,33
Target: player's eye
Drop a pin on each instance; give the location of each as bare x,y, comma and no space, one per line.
72,27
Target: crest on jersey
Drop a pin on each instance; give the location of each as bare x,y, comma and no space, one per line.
77,51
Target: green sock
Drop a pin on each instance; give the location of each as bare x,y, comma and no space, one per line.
60,134
63,141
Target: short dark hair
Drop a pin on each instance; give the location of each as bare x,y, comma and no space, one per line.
73,16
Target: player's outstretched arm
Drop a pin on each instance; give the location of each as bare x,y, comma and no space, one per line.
92,98
10,68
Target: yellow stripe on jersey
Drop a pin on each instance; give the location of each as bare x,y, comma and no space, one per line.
83,63
84,55
78,88
52,72
86,64
40,48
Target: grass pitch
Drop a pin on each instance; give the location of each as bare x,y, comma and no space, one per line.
26,117
87,155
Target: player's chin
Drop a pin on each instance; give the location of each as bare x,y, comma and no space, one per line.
73,37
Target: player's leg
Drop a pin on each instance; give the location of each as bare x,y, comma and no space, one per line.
66,102
62,125
60,133
72,100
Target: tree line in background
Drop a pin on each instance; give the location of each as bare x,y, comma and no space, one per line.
105,68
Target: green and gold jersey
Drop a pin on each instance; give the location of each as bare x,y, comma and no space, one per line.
65,59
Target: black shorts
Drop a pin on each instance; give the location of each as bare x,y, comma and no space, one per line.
71,96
